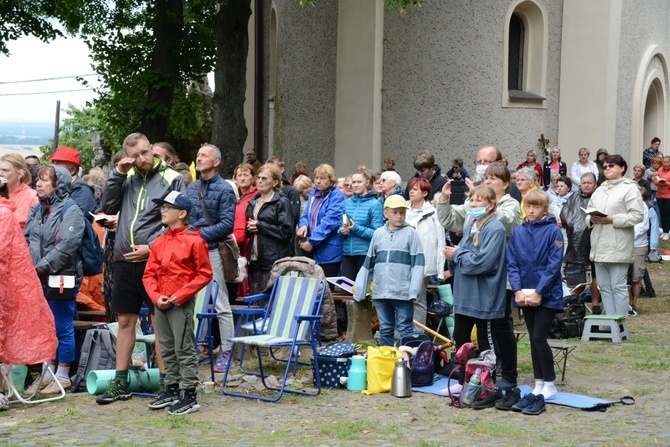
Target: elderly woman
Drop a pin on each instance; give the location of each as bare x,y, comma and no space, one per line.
16,171
422,215
525,181
553,166
54,231
638,175
303,185
390,185
612,234
531,163
581,167
455,218
269,227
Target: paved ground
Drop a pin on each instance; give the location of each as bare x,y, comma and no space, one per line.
640,368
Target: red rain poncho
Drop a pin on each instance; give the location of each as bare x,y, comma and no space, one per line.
27,330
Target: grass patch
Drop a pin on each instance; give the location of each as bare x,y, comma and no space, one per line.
347,430
167,421
598,360
651,366
495,430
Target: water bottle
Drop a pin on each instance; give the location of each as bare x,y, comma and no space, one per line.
473,387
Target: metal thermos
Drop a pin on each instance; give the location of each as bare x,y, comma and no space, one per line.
401,383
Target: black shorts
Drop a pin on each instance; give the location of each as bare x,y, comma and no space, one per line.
128,293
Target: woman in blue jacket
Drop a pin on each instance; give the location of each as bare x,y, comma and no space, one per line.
535,278
318,227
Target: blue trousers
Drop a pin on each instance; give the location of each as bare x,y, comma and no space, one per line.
394,314
63,312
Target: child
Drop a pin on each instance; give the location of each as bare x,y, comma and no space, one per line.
535,278
395,263
478,266
178,267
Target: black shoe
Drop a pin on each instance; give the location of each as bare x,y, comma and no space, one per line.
536,407
524,402
489,401
119,389
596,310
509,400
167,398
632,312
186,404
504,384
651,293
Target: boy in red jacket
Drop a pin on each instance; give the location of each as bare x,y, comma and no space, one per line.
178,267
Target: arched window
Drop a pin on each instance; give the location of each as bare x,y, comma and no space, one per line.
525,59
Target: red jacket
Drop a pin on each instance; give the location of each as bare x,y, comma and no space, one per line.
178,265
663,191
240,226
538,171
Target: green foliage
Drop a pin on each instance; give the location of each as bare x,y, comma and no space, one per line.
185,115
20,18
75,132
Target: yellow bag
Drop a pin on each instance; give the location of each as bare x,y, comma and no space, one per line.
381,363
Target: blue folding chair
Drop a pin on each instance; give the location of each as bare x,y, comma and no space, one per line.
292,322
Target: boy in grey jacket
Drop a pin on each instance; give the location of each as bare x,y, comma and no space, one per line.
395,263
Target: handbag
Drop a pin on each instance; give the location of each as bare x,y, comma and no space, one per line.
234,270
60,288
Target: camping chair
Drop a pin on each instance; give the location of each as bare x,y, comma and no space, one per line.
293,321
205,313
6,373
444,292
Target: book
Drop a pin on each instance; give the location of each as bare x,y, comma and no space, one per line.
100,219
594,212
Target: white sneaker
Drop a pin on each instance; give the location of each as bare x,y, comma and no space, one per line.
665,236
53,388
32,389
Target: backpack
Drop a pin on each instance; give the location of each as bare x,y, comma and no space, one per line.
91,252
569,323
98,352
422,365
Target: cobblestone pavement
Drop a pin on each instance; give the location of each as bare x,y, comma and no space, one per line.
640,367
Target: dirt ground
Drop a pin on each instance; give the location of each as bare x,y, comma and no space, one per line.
639,367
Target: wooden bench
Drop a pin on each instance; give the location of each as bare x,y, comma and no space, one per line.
92,315
616,324
83,325
561,352
519,335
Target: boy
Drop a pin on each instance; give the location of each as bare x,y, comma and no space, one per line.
178,267
395,263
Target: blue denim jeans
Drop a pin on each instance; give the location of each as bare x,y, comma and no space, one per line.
394,314
63,312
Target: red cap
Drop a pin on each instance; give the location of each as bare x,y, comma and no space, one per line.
67,154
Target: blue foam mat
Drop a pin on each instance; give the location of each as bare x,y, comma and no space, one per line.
565,399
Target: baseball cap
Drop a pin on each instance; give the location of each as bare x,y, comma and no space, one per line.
176,199
66,154
395,201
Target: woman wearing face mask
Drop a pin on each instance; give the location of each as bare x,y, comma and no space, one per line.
480,272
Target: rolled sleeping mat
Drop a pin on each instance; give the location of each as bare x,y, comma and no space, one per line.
97,382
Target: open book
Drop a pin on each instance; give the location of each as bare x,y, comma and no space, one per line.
594,212
100,219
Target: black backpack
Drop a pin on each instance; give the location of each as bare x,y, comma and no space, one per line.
570,322
91,252
97,352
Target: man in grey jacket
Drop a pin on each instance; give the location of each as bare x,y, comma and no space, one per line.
131,187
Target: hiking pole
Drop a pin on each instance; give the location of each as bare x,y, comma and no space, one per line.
433,333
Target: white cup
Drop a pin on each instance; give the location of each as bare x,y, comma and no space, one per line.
208,387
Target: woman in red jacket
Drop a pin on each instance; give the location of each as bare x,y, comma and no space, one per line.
244,177
531,162
662,182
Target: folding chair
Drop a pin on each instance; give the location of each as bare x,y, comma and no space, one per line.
6,372
292,322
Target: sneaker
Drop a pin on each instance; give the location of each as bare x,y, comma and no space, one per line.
651,293
665,236
186,404
632,312
504,384
524,402
32,389
52,387
221,364
596,310
536,407
119,389
509,400
167,398
489,401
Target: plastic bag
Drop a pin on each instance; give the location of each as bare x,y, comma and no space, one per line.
381,363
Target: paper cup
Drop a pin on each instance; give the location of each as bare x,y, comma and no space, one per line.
208,387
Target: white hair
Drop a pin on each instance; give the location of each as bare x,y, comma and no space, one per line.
391,175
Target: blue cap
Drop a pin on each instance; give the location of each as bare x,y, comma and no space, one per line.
176,199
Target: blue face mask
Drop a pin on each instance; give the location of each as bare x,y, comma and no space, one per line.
477,213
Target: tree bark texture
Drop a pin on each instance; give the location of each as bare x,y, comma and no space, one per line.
169,32
229,130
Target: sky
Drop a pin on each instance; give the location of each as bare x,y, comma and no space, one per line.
32,59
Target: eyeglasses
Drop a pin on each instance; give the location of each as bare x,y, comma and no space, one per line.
522,180
262,179
166,208
347,185
607,166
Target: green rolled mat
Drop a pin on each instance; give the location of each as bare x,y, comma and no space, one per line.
97,382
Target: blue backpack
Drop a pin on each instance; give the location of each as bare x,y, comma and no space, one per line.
91,252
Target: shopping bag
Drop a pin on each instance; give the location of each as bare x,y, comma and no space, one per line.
381,363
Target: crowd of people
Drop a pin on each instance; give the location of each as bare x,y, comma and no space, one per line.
503,239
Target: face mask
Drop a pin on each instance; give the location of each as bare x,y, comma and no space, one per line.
477,213
481,169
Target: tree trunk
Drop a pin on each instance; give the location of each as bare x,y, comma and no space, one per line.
165,59
229,130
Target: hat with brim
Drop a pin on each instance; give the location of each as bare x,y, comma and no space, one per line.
176,199
66,154
395,201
